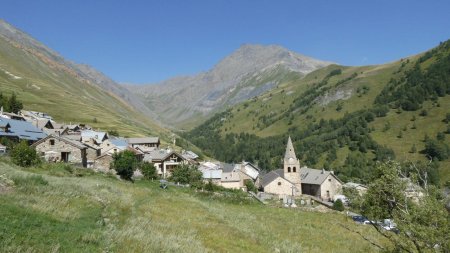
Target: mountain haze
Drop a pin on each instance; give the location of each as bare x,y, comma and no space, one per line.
248,72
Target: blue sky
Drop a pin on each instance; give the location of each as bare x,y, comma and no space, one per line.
149,41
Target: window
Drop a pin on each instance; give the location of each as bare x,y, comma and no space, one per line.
52,142
279,183
289,169
294,169
329,179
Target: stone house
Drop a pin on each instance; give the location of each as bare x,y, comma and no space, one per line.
92,152
149,142
103,163
320,183
59,149
165,161
275,183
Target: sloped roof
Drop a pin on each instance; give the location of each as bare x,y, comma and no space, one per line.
119,142
97,136
75,137
22,129
227,167
270,176
73,143
189,155
212,174
41,123
313,176
143,140
160,154
58,131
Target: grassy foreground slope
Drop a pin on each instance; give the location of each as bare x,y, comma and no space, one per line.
45,85
54,210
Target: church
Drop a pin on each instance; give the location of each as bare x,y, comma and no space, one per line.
294,180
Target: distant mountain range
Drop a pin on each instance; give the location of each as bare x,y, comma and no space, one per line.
248,72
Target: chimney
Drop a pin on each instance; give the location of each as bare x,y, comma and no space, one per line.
323,170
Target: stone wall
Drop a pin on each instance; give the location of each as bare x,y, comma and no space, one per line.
332,185
54,152
103,163
280,186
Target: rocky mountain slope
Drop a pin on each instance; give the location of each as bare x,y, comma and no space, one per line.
249,71
45,81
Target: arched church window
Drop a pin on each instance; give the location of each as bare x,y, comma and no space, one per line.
289,169
294,169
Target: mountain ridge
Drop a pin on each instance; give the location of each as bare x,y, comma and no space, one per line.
248,71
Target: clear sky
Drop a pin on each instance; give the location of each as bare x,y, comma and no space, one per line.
149,41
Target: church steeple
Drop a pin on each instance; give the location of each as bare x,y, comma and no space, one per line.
291,165
290,153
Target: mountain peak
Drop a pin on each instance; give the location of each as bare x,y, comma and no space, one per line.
249,71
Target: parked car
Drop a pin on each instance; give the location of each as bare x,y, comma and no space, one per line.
389,225
361,219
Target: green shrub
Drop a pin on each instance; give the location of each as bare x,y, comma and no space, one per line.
148,170
32,180
24,155
187,174
338,205
250,186
124,163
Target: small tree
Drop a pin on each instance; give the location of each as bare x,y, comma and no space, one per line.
187,174
149,170
338,205
424,224
24,155
124,163
250,186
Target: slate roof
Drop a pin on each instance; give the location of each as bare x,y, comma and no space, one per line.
313,176
144,140
41,123
119,142
159,154
97,136
227,167
75,137
189,155
270,176
73,143
22,129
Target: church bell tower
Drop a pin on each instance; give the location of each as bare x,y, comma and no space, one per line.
291,166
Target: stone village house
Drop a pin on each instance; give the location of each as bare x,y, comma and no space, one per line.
165,161
59,149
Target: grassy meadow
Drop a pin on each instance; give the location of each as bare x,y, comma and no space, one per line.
61,209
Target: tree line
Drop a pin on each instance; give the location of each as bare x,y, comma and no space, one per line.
10,104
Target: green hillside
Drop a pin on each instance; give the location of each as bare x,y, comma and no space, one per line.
343,118
44,85
58,209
